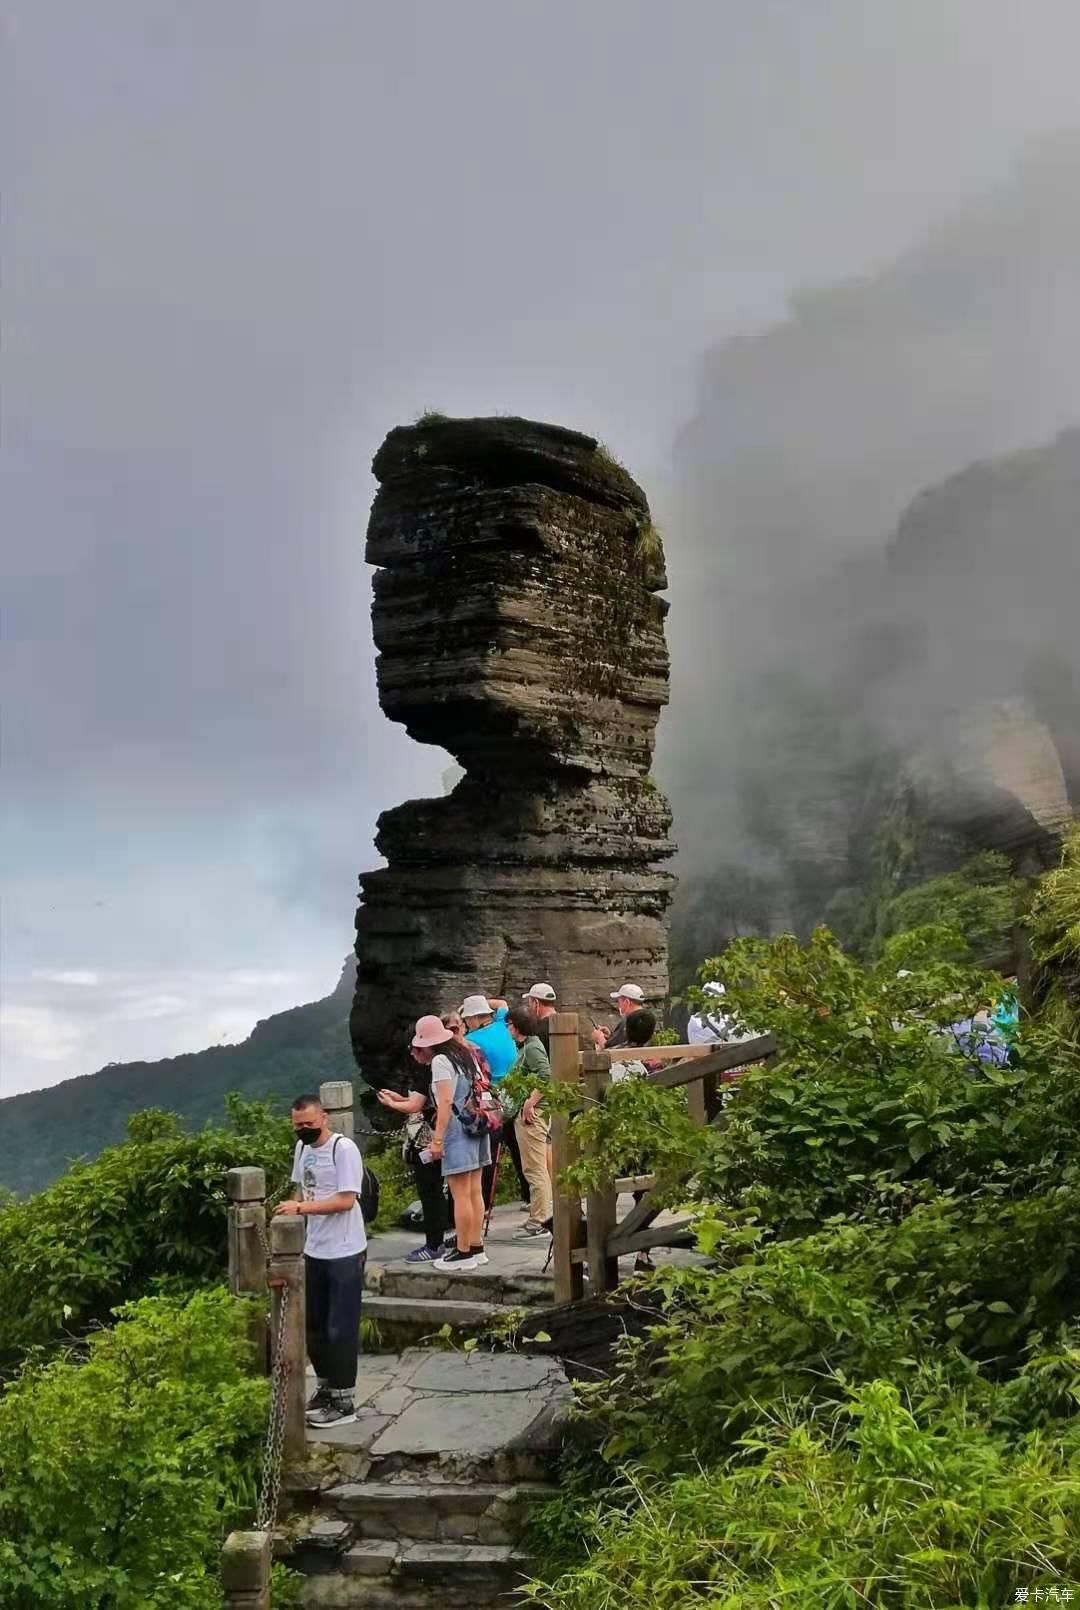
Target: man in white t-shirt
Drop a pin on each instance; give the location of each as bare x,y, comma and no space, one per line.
328,1172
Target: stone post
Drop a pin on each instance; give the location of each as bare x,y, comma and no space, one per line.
565,1064
336,1096
287,1275
246,1191
245,1571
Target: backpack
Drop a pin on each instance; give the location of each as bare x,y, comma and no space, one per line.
368,1196
480,1113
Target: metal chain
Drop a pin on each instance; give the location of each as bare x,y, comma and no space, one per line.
257,1226
270,1488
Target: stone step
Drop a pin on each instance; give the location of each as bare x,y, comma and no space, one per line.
426,1282
404,1321
435,1511
372,1576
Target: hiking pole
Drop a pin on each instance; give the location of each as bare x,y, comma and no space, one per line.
494,1187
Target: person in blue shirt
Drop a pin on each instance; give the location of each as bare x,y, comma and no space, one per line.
486,1028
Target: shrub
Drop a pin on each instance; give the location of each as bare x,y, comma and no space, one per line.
122,1474
146,1214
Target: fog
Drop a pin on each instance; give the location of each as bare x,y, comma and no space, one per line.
830,640
242,241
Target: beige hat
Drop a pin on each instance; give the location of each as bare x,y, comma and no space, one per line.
631,992
540,992
476,1006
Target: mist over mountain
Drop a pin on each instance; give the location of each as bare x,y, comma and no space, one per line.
816,634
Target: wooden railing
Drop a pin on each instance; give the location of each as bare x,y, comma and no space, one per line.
598,1240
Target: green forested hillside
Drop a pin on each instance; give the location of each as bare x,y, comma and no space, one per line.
285,1053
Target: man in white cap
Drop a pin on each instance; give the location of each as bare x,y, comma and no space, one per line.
542,1002
710,1024
628,998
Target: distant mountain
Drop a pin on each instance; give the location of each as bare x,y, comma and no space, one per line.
283,1055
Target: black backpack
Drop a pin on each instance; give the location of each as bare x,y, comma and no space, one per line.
369,1188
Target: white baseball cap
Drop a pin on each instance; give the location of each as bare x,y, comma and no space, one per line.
714,989
476,1006
540,992
632,992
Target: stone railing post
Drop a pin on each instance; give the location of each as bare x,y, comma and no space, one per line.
287,1288
567,1229
245,1570
246,1191
336,1096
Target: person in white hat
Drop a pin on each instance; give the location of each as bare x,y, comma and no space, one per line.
628,998
542,1002
711,1023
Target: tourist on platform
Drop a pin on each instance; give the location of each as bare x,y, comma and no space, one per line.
640,1027
327,1174
531,1125
543,1003
462,1157
501,1139
485,1027
418,1109
628,998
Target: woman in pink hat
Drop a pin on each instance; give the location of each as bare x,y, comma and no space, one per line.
453,1072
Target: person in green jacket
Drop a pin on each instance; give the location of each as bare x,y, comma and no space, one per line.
531,1126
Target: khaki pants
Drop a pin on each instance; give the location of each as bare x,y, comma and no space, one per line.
533,1141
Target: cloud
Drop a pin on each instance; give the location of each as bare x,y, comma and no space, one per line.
242,241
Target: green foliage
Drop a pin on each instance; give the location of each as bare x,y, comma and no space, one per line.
146,1214
122,1474
868,1393
981,901
879,1504
287,1053
1054,923
431,416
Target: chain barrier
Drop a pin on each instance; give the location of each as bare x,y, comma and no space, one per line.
270,1486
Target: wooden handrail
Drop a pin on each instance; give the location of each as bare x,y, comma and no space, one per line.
714,1060
593,1061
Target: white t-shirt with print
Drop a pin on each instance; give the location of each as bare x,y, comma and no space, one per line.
321,1172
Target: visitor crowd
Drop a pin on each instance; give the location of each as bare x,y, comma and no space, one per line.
476,1092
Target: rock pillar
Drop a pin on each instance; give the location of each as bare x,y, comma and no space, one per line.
518,626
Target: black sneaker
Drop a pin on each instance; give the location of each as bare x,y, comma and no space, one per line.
320,1400
331,1414
461,1262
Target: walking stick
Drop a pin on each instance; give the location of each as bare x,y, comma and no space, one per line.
494,1187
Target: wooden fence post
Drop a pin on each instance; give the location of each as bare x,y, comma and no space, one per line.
602,1206
287,1276
565,1070
245,1570
336,1096
246,1191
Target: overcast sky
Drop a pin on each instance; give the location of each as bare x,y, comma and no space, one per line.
242,240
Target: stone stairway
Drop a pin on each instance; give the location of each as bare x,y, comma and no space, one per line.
421,1502
411,1304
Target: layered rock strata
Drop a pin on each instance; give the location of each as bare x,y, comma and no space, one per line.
518,626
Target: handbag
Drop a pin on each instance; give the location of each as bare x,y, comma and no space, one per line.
418,1137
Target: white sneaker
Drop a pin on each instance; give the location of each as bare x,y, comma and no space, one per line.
481,1259
457,1263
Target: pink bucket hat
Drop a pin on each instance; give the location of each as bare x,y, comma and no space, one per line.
430,1032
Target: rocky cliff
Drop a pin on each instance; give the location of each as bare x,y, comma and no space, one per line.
518,626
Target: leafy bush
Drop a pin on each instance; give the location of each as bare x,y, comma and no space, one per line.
144,1215
122,1474
1055,939
981,902
879,1504
868,1395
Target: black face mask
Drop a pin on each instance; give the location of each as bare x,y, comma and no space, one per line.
308,1133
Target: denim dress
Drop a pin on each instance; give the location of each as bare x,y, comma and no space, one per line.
460,1154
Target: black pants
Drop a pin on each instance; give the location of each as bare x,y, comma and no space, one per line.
431,1189
333,1289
